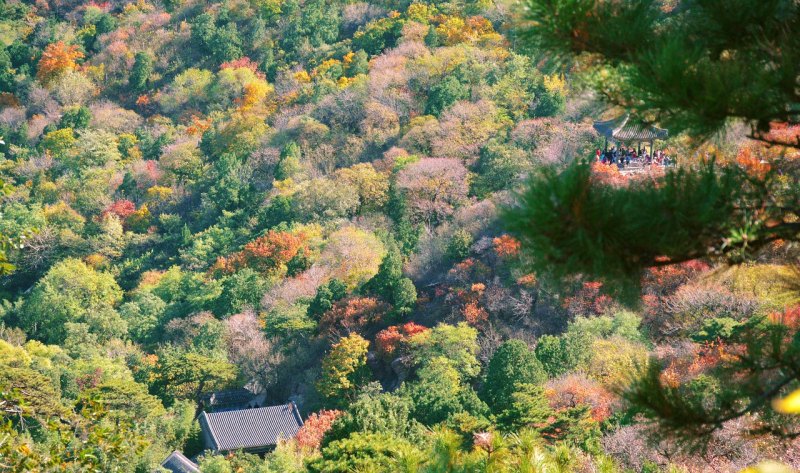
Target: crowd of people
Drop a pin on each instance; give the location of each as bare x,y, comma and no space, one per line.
625,156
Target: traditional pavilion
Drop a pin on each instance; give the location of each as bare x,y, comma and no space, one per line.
625,129
251,430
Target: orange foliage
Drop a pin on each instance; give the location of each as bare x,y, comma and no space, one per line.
143,100
387,341
753,161
756,156
506,246
198,126
8,99
121,208
527,280
315,427
790,317
573,390
588,300
57,58
410,329
608,174
265,253
664,279
700,359
352,315
474,313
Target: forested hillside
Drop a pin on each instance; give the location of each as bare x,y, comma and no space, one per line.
319,201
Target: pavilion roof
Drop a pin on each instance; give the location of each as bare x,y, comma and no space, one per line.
625,128
251,428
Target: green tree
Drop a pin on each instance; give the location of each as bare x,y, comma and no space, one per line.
404,296
389,283
457,343
445,93
289,163
190,375
326,295
459,245
440,392
73,292
740,77
558,355
141,71
499,167
361,452
125,400
376,413
144,314
720,211
6,72
244,288
512,364
75,118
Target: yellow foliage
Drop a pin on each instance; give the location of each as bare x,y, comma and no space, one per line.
139,220
352,255
454,30
788,405
555,83
771,284
302,76
62,215
346,359
616,361
768,467
97,73
141,6
159,193
285,187
15,356
326,66
255,93
96,260
419,12
59,142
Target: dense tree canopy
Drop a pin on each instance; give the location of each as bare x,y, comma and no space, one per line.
327,202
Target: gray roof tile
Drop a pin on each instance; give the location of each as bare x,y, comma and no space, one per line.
176,462
625,128
251,428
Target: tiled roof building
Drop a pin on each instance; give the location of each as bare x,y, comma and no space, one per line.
177,463
626,129
252,430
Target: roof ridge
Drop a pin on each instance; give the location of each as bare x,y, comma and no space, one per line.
296,412
210,429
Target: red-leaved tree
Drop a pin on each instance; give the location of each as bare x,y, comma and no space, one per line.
315,427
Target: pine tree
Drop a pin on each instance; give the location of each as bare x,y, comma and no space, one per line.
635,54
